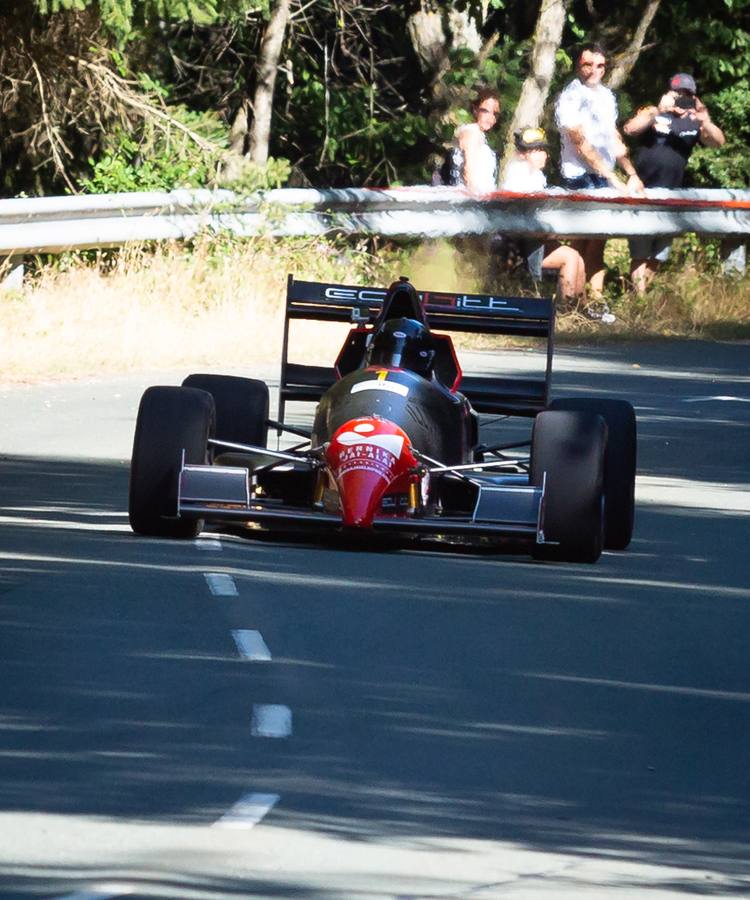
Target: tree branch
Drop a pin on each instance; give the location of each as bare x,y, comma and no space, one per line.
626,60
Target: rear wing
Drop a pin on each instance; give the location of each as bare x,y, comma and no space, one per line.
444,311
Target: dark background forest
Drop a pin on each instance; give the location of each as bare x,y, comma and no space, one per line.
110,95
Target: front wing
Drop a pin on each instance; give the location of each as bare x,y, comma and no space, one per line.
222,494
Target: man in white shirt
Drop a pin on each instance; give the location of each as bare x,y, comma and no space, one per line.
591,147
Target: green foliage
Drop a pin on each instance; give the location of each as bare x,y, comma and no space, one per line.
123,17
727,166
254,177
355,106
163,157
691,251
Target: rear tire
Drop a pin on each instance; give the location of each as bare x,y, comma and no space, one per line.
241,407
619,464
170,420
569,448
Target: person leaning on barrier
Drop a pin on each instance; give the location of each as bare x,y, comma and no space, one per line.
473,161
592,148
525,175
667,134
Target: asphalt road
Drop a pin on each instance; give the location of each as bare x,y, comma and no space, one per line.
248,718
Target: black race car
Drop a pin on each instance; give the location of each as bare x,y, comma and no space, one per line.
394,447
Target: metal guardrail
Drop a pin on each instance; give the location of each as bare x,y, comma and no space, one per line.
54,224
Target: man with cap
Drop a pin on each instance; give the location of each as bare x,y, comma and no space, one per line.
667,134
525,175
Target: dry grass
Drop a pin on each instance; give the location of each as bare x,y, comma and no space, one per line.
157,309
221,305
689,298
689,303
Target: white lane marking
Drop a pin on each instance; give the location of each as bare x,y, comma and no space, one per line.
247,811
221,585
718,397
250,645
271,720
102,892
208,543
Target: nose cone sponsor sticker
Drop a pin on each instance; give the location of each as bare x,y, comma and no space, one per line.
364,461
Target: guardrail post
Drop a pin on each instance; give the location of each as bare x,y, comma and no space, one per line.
11,273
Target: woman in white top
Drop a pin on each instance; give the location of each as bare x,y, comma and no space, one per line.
475,160
525,175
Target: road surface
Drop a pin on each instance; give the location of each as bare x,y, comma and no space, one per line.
228,717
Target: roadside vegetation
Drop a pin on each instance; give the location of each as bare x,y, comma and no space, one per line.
218,302
108,95
101,96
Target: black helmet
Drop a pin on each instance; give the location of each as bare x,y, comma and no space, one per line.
402,344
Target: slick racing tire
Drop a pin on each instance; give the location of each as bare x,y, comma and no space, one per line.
170,420
241,407
619,464
568,448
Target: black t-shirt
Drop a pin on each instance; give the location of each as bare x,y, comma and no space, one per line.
665,148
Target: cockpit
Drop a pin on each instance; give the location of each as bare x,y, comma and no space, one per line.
402,344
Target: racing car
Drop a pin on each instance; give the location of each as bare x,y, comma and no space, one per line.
394,448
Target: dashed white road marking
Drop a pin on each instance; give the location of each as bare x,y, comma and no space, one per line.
221,585
247,811
208,543
250,645
271,720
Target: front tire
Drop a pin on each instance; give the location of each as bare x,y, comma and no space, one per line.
170,420
567,456
241,407
619,464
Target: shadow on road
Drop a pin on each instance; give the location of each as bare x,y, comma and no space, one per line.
599,712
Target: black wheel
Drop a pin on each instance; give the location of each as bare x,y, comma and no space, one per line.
567,455
170,420
241,407
619,464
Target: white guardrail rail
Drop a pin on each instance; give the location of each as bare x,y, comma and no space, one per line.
55,224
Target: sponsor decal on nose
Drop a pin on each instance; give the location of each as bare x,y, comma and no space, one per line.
365,457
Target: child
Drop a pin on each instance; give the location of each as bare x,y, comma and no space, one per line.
525,175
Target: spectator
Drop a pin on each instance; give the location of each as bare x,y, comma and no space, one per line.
591,148
473,160
668,133
525,174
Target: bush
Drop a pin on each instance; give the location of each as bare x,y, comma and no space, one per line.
183,150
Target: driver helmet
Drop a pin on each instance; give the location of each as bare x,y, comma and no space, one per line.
402,344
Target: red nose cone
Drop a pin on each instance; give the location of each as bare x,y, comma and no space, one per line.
361,492
365,457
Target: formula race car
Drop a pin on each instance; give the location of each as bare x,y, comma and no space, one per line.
394,448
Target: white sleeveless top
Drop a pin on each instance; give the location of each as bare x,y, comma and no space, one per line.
486,172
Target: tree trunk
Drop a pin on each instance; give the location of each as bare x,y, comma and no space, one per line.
433,43
428,39
546,42
268,62
623,66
